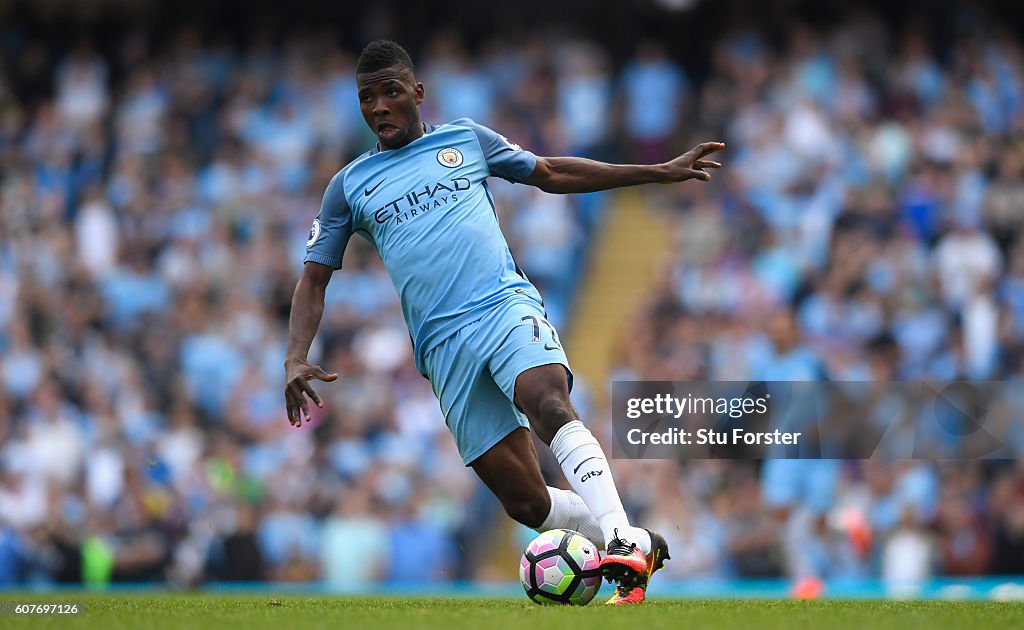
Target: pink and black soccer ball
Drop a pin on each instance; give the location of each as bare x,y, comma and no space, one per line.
560,567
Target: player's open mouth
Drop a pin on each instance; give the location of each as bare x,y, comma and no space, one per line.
386,130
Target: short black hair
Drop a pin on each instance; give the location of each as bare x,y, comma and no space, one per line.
381,54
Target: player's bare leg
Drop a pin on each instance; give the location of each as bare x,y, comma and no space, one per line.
633,554
511,471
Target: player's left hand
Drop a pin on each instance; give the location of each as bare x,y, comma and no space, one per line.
297,376
691,164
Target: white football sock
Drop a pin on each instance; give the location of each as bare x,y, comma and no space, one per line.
568,511
585,466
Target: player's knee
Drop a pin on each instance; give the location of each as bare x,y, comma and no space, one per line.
552,411
531,512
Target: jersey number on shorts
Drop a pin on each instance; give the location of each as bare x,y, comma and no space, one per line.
537,321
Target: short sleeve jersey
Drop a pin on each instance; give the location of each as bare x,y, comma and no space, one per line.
428,211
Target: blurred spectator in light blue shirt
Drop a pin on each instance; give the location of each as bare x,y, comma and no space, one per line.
415,535
584,96
355,545
654,88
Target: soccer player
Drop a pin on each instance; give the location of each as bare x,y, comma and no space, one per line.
477,324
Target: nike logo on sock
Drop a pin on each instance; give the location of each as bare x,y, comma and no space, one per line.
583,462
368,191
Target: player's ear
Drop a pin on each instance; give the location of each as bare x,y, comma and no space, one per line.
418,92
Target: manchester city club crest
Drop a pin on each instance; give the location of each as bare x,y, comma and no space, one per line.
449,157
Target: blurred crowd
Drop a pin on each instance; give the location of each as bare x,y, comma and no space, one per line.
867,228
154,206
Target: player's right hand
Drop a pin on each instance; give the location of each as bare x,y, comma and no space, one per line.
298,373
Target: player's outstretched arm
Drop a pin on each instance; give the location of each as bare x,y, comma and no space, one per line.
307,309
580,175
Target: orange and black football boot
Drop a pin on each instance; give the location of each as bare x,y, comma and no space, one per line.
626,565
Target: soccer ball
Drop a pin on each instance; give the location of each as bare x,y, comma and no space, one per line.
560,567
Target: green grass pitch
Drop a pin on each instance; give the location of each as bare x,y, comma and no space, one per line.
254,612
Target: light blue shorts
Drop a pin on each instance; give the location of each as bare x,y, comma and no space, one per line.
474,373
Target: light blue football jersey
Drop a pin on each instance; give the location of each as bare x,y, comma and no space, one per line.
427,209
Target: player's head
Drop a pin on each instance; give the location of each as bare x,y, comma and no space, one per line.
389,95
